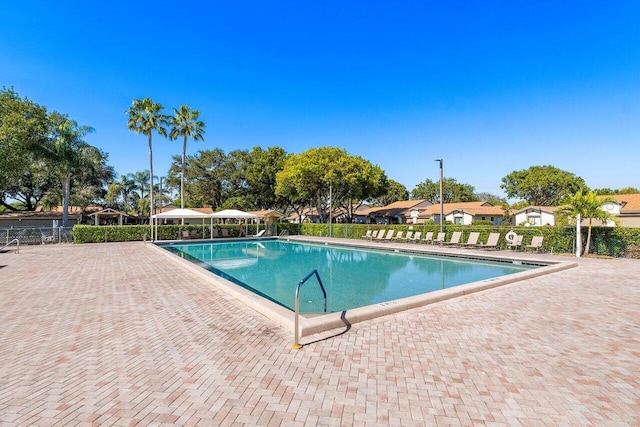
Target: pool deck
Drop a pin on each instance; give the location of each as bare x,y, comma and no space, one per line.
113,334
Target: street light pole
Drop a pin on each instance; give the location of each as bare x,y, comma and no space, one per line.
441,201
330,207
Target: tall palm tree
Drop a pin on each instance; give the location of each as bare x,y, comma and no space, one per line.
67,151
588,206
185,122
145,116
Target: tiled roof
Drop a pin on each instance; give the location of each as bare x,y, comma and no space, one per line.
475,208
630,202
266,213
168,208
402,205
72,209
549,209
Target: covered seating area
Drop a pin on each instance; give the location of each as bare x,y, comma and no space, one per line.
223,215
108,216
235,214
178,214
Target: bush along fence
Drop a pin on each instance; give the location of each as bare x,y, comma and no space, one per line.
606,241
128,233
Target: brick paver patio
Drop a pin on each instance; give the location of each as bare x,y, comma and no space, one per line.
115,334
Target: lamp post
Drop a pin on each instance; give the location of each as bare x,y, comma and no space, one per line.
441,201
160,209
330,207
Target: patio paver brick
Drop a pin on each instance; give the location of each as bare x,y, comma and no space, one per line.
115,334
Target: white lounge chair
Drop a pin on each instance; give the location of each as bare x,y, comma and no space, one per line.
492,241
536,243
389,236
47,239
472,240
440,238
261,233
415,238
381,234
367,235
399,236
455,238
428,238
516,243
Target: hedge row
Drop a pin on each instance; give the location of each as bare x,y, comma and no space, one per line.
609,241
127,233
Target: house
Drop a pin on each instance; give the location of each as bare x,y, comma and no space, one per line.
626,208
46,218
464,213
307,215
397,212
359,214
536,215
269,218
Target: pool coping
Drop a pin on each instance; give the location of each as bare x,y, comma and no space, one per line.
326,322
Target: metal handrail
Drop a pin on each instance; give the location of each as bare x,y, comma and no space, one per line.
17,245
296,343
284,232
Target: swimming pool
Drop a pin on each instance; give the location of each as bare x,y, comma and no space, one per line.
352,277
233,259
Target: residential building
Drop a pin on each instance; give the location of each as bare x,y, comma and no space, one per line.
397,212
536,215
626,208
464,213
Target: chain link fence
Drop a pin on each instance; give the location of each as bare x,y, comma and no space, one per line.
36,235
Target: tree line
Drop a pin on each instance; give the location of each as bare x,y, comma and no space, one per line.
44,161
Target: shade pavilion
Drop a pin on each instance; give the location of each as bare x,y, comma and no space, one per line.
234,214
180,214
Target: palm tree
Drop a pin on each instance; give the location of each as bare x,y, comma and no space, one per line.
67,151
127,187
140,180
588,206
145,116
123,188
185,122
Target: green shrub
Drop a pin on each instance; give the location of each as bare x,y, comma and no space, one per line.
609,241
127,233
110,233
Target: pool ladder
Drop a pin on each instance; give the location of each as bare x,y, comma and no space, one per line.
296,343
16,241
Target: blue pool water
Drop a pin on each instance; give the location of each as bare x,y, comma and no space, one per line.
352,277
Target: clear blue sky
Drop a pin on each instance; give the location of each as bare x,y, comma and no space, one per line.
490,87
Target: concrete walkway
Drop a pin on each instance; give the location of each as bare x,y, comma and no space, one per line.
115,334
